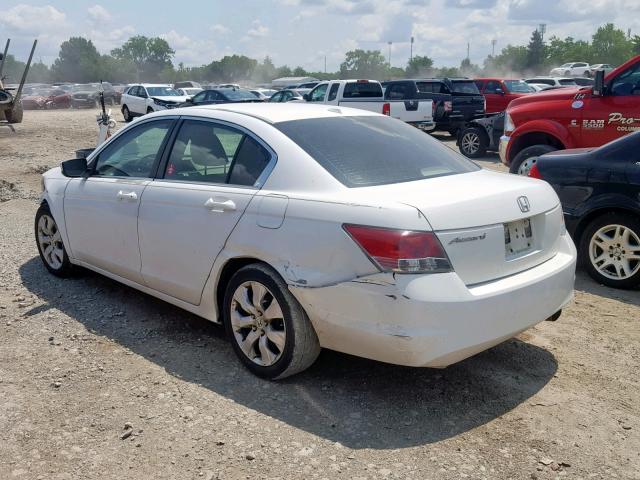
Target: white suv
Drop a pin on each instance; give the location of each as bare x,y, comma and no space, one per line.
573,69
140,99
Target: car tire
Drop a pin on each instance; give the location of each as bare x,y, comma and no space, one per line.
473,142
50,245
605,253
16,114
525,159
126,114
252,326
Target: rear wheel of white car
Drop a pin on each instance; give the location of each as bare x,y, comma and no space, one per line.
126,114
268,328
528,157
50,246
610,250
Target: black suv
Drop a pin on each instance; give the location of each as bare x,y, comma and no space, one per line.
88,95
456,100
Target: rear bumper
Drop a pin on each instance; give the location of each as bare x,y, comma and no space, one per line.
436,320
428,126
502,149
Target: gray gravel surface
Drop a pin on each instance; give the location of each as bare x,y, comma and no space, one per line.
99,381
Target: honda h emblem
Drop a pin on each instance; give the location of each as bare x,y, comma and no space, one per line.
523,203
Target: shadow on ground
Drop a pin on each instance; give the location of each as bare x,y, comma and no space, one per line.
585,283
359,403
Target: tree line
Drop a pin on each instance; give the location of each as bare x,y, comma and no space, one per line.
150,59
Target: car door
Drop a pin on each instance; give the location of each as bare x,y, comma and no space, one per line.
318,93
495,96
276,97
101,211
614,114
211,174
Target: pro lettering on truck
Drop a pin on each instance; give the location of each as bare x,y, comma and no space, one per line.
584,117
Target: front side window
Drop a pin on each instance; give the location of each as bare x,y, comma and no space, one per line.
317,95
276,97
397,92
627,83
362,151
200,97
493,87
517,86
134,153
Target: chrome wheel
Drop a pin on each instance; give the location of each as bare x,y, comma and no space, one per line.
257,323
50,242
470,143
526,165
614,251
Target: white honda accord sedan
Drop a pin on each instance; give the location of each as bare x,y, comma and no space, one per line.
306,226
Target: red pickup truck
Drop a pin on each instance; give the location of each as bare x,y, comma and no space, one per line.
581,117
499,92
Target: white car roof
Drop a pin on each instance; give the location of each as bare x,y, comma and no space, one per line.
273,112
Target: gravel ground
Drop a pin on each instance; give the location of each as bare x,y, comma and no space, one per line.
99,381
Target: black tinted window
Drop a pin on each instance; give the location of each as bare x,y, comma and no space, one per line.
429,87
465,86
398,91
361,151
250,162
362,90
333,93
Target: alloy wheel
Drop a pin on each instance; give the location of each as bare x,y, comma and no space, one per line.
526,165
258,324
50,242
470,142
614,251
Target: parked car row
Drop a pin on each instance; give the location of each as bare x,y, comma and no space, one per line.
69,95
580,69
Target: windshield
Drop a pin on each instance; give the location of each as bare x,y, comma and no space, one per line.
361,151
362,90
466,86
85,87
238,94
162,92
518,86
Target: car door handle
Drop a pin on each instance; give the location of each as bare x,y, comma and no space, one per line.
220,206
131,196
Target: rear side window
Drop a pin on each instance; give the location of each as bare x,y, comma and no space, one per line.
362,90
333,93
251,160
465,86
429,87
398,91
362,151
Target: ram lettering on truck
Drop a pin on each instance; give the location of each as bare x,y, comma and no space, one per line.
586,117
369,95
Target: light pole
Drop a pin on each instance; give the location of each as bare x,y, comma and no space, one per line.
493,47
411,51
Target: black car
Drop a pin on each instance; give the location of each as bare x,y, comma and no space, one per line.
600,194
221,95
481,135
456,100
88,95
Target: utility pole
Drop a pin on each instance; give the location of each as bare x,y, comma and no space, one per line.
325,64
493,47
390,43
411,52
468,46
542,28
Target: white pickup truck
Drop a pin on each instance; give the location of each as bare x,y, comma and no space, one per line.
368,95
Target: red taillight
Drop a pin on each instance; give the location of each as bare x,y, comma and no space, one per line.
386,109
448,106
534,172
403,251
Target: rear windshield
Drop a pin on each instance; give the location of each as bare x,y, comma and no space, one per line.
362,151
465,86
362,90
518,86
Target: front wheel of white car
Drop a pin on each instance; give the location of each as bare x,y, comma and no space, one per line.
268,328
50,245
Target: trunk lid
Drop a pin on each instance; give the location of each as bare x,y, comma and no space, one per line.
470,213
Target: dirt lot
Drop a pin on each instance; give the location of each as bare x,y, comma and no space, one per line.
82,358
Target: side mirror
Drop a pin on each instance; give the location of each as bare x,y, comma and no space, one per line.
74,168
306,97
598,85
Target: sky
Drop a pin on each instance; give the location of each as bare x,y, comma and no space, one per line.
304,32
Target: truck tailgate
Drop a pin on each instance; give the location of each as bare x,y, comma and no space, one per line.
412,111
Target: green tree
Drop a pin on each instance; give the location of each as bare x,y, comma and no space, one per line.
299,72
512,59
149,56
535,52
39,73
419,66
13,69
364,64
235,68
283,71
78,61
610,45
